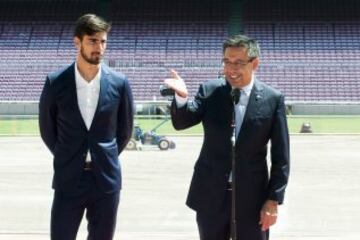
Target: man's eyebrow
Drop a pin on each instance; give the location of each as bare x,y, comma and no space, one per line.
96,39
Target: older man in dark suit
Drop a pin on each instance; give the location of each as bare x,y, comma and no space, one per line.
86,119
259,117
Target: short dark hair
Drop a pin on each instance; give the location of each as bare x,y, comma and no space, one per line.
89,24
243,41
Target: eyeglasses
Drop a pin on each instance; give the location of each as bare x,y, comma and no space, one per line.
236,64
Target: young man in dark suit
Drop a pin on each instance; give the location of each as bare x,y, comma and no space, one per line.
86,119
259,117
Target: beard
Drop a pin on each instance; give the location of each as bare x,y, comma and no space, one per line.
94,58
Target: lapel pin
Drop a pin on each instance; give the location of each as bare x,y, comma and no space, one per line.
258,97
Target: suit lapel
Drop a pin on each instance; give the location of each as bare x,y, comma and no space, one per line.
103,90
73,94
253,107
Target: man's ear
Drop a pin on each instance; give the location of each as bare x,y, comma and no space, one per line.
77,42
256,63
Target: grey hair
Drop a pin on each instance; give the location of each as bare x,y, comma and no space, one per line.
242,41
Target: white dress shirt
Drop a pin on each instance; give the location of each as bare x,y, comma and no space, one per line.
240,109
241,106
87,97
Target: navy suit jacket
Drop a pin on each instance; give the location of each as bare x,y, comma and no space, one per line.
264,121
63,129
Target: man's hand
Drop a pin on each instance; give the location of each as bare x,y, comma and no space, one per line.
177,83
268,214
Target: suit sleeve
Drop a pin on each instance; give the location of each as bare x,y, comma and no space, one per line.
125,117
280,154
189,114
47,116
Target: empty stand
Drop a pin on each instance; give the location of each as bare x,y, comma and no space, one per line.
309,55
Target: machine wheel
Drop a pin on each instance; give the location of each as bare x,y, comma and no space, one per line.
164,144
131,145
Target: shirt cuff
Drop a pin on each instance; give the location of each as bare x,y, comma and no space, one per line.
180,101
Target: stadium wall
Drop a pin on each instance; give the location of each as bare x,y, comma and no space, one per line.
161,107
325,108
19,108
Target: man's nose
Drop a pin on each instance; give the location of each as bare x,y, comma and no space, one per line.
102,47
232,70
99,46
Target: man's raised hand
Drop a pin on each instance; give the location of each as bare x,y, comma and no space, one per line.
176,83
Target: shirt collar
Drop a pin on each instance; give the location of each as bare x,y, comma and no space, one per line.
247,89
81,82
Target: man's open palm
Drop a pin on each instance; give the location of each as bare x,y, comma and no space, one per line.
177,83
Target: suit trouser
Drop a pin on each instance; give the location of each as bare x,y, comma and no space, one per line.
68,210
217,226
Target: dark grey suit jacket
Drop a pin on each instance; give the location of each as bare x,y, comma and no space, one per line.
64,131
264,121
